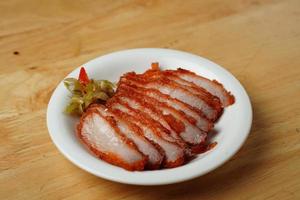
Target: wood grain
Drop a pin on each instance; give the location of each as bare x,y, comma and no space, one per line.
258,41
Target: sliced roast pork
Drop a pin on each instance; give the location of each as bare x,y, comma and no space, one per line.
176,91
170,76
157,119
174,153
101,135
212,86
194,117
134,133
176,120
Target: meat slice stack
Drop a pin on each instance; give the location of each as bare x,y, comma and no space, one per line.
158,119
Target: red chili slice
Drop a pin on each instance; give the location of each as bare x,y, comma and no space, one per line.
83,77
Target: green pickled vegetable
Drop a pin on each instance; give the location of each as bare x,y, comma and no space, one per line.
83,95
73,85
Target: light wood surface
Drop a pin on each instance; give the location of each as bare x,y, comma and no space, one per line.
42,41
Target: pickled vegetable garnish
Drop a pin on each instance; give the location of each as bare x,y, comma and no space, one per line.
85,91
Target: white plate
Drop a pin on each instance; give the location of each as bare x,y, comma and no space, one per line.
232,128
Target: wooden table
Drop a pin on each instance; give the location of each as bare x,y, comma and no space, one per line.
258,41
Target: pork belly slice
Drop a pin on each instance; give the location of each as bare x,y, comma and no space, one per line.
210,99
153,117
101,135
212,86
131,131
175,91
131,98
174,154
187,131
204,94
194,117
146,118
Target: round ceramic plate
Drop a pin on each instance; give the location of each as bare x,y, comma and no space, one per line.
232,128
